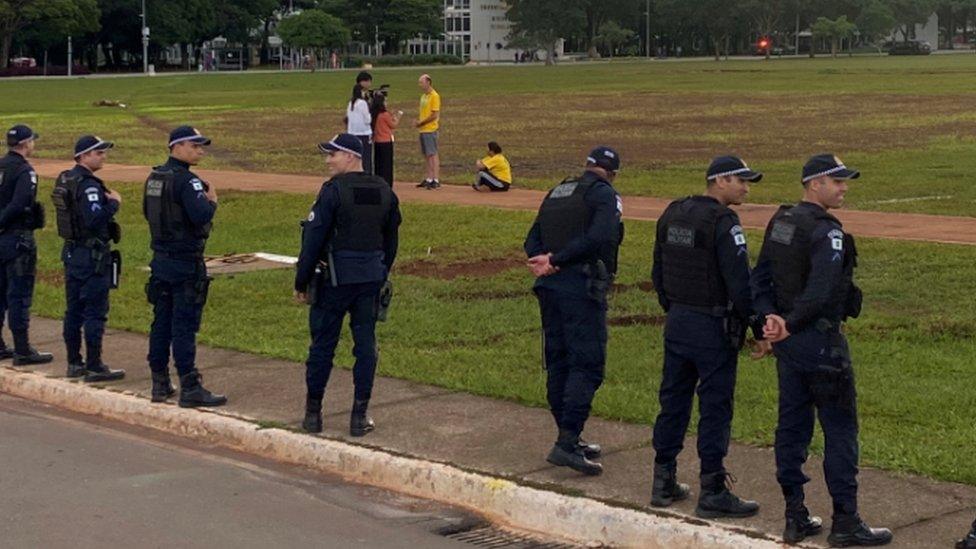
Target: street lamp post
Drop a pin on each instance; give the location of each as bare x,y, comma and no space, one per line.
145,40
647,29
70,56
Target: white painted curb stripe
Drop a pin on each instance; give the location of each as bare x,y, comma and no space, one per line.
501,501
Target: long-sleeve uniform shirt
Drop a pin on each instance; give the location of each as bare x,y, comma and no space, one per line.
351,266
603,230
96,209
17,193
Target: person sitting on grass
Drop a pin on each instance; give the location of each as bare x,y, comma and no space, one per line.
494,171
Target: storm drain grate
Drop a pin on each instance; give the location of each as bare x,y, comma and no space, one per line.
491,536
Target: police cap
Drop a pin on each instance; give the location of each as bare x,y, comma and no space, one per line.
827,164
19,134
724,166
88,143
604,157
344,142
187,133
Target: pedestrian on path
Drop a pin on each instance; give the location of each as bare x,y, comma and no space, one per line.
494,171
349,244
359,119
385,124
572,249
20,215
804,285
701,275
86,221
180,208
428,123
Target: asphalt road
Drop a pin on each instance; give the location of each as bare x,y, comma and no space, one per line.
74,481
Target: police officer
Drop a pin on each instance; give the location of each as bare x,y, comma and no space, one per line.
701,275
804,285
572,250
85,218
20,216
180,208
349,243
968,542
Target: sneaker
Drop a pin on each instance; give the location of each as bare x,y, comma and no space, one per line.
424,184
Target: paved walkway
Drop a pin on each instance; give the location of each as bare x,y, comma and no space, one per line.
507,439
899,226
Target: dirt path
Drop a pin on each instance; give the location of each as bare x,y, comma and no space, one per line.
897,226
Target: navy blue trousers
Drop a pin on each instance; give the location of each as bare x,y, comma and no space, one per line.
816,380
575,339
178,299
711,373
86,295
18,268
325,319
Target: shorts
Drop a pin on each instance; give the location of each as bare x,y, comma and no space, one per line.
428,143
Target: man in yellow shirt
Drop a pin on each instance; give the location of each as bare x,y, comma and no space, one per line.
494,171
428,123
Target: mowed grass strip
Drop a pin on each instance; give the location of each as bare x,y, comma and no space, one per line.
907,122
464,318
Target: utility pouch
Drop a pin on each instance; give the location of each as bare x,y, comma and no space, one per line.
98,259
153,291
735,330
597,279
200,290
315,285
26,262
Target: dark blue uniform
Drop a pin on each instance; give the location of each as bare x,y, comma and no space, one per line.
18,250
815,376
350,283
87,263
179,283
700,353
574,317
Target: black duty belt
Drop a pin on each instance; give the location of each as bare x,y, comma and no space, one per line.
186,256
711,311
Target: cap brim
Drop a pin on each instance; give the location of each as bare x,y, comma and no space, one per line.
751,176
326,148
846,174
200,140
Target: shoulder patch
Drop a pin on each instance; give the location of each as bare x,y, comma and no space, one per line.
33,177
836,237
311,216
92,197
620,205
196,184
737,235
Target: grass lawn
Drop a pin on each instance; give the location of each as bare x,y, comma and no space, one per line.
907,123
479,332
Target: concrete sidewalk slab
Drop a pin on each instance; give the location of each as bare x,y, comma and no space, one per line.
509,440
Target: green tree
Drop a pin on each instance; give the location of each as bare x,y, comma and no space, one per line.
56,15
875,22
833,29
612,35
909,13
313,29
404,19
540,24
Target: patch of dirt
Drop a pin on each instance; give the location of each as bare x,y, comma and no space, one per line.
636,320
450,271
229,156
52,278
488,295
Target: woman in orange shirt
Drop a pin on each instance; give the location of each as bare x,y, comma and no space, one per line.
384,124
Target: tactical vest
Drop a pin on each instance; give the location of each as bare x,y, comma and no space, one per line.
686,234
787,246
11,166
564,216
70,224
168,221
364,206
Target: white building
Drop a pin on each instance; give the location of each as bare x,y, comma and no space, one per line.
475,30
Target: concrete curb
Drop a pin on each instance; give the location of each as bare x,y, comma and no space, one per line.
501,501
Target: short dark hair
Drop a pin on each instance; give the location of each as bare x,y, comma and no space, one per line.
494,147
362,76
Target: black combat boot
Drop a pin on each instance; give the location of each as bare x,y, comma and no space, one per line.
25,355
799,524
718,501
6,352
667,489
590,449
968,542
194,395
162,387
850,530
313,415
76,369
567,453
359,422
97,370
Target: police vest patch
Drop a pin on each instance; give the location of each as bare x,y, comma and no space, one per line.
782,233
681,236
564,190
154,187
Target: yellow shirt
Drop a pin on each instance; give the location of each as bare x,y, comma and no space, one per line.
429,104
498,166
